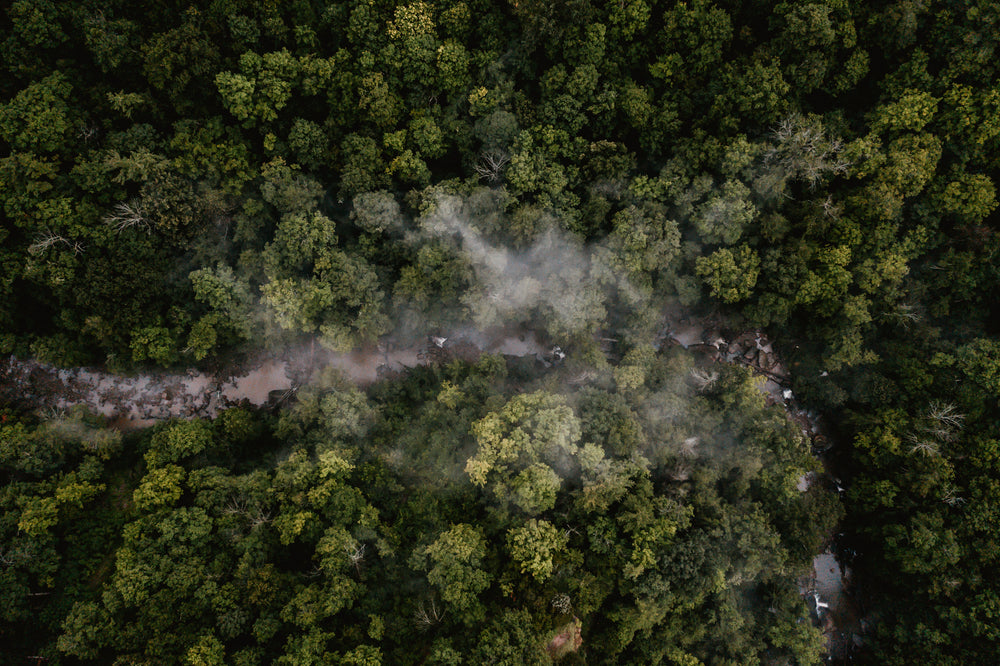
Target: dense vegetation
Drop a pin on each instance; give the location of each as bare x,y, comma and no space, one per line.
180,180
463,514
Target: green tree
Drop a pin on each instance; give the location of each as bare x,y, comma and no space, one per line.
644,241
724,216
456,566
531,428
262,88
154,343
39,118
730,275
535,546
176,60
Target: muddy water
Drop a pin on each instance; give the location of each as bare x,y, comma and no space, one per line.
137,401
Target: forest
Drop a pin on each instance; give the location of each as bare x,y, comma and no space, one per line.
193,184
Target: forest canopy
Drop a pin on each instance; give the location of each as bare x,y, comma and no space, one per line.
183,183
460,514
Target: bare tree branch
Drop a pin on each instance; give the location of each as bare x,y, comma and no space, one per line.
491,165
128,215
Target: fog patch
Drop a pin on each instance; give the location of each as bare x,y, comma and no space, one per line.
550,279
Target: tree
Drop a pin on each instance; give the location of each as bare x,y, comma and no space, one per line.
755,89
377,212
381,106
176,59
155,343
228,296
39,117
969,198
511,639
364,169
413,43
535,546
912,112
533,171
161,487
723,217
208,651
531,428
179,440
456,566
309,144
262,88
979,361
698,33
644,241
811,38
730,275
108,40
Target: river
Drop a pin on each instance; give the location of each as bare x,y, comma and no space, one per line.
140,400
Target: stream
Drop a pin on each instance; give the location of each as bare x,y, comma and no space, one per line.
137,401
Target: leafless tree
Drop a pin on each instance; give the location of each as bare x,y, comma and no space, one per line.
50,239
356,554
830,209
946,414
689,447
428,614
703,379
491,165
127,216
925,446
583,378
240,505
949,495
45,241
804,151
905,314
680,472
259,517
87,132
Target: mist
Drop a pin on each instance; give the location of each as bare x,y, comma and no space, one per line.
549,281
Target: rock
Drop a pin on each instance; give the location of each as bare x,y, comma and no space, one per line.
708,350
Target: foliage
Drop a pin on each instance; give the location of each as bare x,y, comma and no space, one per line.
180,182
332,533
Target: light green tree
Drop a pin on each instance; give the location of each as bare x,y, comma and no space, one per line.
530,428
535,546
730,274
